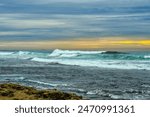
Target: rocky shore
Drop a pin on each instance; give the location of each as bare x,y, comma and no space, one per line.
18,92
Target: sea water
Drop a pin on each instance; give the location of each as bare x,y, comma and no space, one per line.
102,59
92,74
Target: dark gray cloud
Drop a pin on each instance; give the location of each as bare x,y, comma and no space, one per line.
61,19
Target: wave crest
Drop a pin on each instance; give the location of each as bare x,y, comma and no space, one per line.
6,53
147,56
23,53
72,53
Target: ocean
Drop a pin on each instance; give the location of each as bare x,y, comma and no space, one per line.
92,74
102,59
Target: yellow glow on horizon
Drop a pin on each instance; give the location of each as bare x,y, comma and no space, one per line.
141,42
97,43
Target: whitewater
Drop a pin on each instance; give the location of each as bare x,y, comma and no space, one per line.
101,59
91,74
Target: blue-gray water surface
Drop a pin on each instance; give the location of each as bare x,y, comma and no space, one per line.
101,75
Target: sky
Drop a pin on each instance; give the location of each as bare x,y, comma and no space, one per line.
83,24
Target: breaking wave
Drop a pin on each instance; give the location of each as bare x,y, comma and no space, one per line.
103,59
72,53
115,64
147,57
6,53
23,53
110,55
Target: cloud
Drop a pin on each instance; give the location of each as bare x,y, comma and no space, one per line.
58,26
54,1
14,33
98,2
32,24
16,21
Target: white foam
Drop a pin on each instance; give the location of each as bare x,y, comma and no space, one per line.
22,55
68,55
12,78
147,86
43,60
116,96
76,89
148,56
23,52
19,54
115,64
44,83
5,53
21,78
71,53
95,92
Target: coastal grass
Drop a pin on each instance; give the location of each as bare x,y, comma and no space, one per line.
17,92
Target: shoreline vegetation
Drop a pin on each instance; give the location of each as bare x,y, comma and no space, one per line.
11,91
